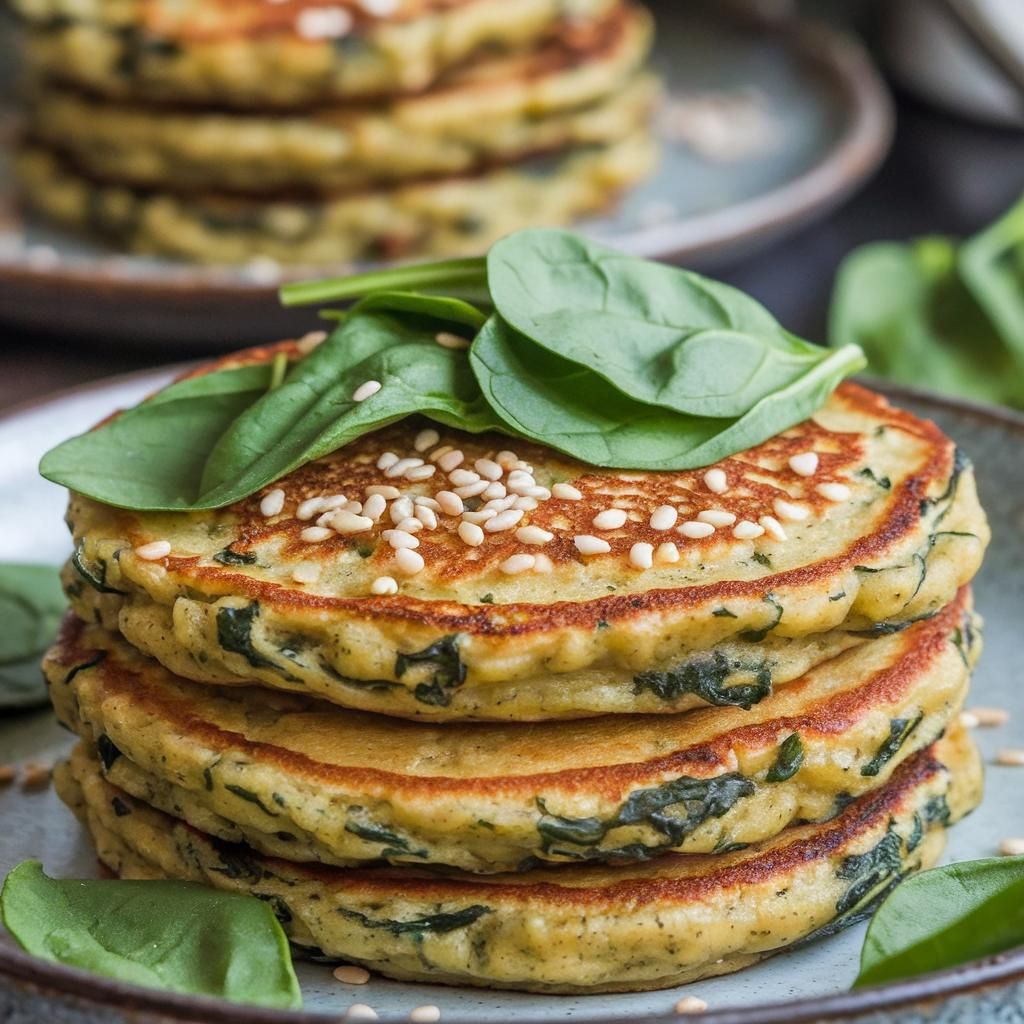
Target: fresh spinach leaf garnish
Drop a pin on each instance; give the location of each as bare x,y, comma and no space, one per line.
945,917
176,936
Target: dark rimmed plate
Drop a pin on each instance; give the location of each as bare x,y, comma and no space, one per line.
830,124
794,988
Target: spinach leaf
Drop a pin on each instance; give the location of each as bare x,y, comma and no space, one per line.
899,732
449,670
663,336
707,676
945,917
437,924
788,761
177,936
32,604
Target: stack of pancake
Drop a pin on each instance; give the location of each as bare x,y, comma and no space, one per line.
463,709
314,131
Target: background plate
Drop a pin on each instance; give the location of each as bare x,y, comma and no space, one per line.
831,124
810,984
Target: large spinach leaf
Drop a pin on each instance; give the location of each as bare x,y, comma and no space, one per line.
168,935
944,917
31,606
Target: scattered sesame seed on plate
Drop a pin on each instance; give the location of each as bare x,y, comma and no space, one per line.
8,773
384,586
566,492
716,481
1012,847
360,1011
690,1004
589,545
804,464
1014,758
349,974
408,561
35,774
834,491
154,550
366,390
272,503
610,519
426,439
989,716
969,720
424,1015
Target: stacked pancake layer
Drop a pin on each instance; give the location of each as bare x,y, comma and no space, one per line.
486,124
582,774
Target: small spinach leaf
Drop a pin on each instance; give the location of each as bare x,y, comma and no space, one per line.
177,936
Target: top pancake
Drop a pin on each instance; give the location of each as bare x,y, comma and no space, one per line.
466,637
247,53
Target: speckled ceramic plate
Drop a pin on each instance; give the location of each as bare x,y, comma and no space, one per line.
808,985
818,121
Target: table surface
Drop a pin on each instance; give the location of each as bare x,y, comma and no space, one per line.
943,175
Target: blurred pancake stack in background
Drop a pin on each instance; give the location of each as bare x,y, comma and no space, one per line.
310,132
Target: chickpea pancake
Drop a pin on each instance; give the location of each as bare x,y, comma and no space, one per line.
253,54
418,218
576,928
496,111
293,777
428,573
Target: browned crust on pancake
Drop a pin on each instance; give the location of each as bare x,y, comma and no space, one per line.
920,646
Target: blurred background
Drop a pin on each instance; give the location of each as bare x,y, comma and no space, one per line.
164,166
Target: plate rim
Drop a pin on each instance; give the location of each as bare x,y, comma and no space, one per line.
835,57
42,978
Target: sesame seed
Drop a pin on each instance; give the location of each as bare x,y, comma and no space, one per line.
35,774
833,491
425,1015
411,525
154,550
438,453
522,484
323,23
346,522
746,530
990,716
1012,847
451,460
610,519
408,561
641,555
315,534
506,459
480,516
504,520
772,527
353,506
969,720
526,502
804,464
540,493
471,534
427,516
360,1011
667,553
333,501
424,501
375,507
366,390
426,439
691,1004
523,465
448,340
695,530
517,564
451,504
384,586
401,509
488,469
400,539
715,480
8,773
306,572
663,518
387,460
418,473
588,545
1014,758
472,490
461,477
566,492
716,517
401,467
533,535
272,503
385,491
494,490
789,512
310,341
351,975
541,563
500,504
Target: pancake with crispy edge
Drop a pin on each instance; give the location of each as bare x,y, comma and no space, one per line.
269,55
568,929
295,778
499,110
589,634
444,217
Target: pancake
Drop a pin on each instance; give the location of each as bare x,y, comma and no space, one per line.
421,218
892,529
580,928
262,54
496,111
296,778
